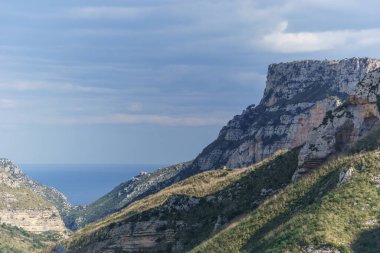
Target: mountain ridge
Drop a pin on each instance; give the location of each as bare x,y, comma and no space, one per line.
184,220
284,119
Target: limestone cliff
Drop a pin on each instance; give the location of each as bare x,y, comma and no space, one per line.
344,125
52,195
24,208
296,99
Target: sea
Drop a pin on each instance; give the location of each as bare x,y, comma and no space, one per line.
84,183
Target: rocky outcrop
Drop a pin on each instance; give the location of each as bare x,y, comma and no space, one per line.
33,220
345,124
296,99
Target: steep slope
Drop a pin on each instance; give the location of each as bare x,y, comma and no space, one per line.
334,209
182,215
17,240
21,207
296,99
50,194
28,223
138,187
254,209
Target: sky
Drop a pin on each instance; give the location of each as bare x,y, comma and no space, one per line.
153,81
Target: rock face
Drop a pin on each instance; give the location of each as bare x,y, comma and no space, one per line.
344,125
52,195
141,236
24,208
33,220
296,99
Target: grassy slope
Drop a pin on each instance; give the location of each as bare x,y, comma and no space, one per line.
13,239
238,189
16,240
317,210
24,198
113,201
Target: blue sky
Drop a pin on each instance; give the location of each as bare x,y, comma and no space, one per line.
153,81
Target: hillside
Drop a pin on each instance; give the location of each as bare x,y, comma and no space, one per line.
296,99
253,209
121,196
17,240
28,222
51,195
279,204
182,215
335,209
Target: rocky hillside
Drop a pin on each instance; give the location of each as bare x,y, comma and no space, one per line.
28,222
253,209
124,194
296,99
332,210
17,240
182,215
52,195
258,208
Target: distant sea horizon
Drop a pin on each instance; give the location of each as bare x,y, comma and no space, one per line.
82,184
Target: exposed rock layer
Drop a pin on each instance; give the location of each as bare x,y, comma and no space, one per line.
33,220
24,208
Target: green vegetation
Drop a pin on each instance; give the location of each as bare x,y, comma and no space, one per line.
259,210
317,211
223,195
370,142
17,240
137,188
16,196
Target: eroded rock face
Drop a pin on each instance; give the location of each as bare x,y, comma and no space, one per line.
33,220
296,99
24,208
52,195
344,125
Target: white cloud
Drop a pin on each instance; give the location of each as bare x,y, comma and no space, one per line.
107,12
65,87
135,107
7,103
144,119
300,42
